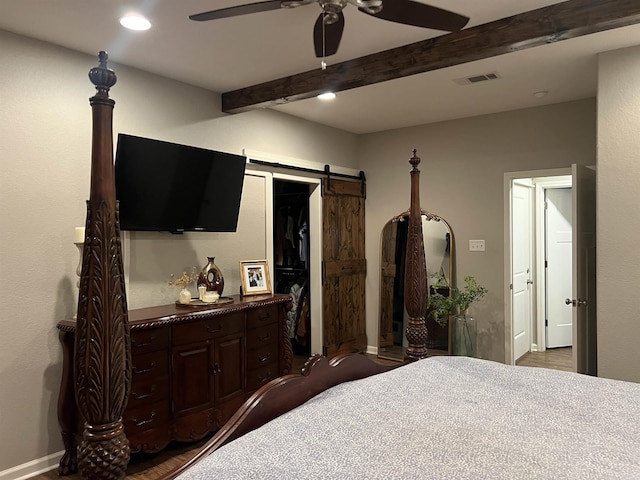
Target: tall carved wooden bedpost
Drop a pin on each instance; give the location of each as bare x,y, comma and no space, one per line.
415,275
102,353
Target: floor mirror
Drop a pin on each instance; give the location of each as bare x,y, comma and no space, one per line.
440,262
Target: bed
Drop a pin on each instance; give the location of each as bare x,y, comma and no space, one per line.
348,417
446,417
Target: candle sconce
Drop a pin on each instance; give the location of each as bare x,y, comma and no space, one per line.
79,243
80,247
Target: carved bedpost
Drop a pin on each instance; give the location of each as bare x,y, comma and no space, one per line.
415,275
102,338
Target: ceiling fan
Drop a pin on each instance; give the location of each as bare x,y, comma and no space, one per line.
328,28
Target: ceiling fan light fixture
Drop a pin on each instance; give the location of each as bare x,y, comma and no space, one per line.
294,3
370,6
327,96
135,22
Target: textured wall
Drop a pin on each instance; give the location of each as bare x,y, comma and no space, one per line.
45,137
618,223
45,147
462,175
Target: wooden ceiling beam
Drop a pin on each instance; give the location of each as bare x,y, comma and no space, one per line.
562,21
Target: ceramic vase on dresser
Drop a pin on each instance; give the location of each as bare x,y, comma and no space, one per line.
211,277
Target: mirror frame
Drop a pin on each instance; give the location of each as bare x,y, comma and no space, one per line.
398,353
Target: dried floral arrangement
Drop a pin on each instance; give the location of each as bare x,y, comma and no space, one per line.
185,279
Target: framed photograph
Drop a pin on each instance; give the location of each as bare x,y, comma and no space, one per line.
255,277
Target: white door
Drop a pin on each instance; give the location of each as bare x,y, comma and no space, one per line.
521,263
558,255
583,300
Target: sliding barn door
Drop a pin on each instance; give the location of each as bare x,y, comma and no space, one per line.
344,267
387,284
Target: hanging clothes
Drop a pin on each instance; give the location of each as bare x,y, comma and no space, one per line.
303,246
296,291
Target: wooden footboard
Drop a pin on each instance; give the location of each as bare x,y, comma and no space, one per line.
284,394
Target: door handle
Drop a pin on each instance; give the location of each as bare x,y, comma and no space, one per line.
576,303
529,282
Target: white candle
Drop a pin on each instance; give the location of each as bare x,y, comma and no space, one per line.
79,237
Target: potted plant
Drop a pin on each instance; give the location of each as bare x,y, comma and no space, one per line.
457,304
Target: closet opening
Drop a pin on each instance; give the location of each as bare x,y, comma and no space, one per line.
291,258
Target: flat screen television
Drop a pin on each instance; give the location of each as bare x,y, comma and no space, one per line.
163,186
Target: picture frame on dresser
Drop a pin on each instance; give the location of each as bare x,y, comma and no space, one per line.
255,278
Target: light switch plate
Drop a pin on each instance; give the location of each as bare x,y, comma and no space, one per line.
476,245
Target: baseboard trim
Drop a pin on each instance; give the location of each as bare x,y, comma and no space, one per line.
32,468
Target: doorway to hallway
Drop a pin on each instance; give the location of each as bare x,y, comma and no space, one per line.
540,267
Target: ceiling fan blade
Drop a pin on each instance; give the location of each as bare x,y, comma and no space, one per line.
238,10
419,15
332,35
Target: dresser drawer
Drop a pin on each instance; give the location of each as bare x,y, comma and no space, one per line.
260,357
149,340
259,337
149,366
208,328
262,316
257,378
140,419
145,392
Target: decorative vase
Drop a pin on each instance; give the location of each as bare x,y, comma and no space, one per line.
464,335
184,296
211,277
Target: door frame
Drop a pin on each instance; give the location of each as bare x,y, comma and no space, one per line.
315,242
315,222
541,185
315,252
509,178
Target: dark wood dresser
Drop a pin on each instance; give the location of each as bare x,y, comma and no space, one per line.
192,368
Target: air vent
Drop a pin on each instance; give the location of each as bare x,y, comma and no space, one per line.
483,77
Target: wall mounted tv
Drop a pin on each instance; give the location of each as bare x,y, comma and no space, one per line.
164,186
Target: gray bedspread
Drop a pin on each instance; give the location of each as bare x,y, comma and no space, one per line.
446,418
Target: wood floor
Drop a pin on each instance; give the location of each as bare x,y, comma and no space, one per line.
144,466
152,466
553,358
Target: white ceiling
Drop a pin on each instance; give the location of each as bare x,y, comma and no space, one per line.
224,55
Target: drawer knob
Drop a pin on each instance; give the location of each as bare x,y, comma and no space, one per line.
134,343
264,358
266,377
139,423
264,337
152,365
144,395
211,329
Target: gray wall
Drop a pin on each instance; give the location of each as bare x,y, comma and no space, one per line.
618,222
45,152
462,180
45,149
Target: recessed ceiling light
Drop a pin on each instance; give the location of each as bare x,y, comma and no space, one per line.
327,96
135,22
540,94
